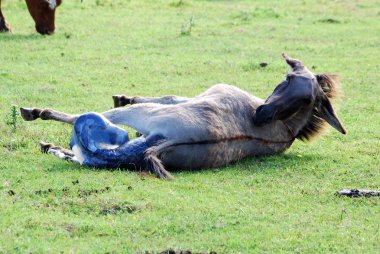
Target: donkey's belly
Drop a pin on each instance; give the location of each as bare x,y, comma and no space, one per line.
207,155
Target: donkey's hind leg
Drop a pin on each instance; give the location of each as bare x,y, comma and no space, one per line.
31,114
123,100
58,151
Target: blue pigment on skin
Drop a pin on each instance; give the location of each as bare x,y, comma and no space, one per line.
106,145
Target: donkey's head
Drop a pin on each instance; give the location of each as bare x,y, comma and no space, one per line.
302,102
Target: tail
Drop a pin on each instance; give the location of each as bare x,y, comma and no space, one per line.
154,164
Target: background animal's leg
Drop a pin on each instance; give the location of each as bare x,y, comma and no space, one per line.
30,114
58,151
122,100
4,26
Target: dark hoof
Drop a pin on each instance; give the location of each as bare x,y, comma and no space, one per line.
45,146
121,100
30,114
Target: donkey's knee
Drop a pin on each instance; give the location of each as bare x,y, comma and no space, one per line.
46,114
121,100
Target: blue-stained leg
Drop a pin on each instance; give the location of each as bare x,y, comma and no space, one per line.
103,144
97,142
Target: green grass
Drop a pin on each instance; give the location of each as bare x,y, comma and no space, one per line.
276,204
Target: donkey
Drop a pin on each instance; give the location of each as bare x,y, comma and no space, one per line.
220,126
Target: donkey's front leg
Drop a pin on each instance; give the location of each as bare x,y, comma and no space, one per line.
31,114
123,100
58,151
136,116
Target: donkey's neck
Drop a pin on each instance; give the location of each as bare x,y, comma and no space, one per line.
275,132
297,122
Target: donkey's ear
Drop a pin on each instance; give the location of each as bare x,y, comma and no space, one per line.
328,114
292,62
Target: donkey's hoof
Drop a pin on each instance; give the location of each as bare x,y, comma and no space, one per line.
45,147
121,100
30,114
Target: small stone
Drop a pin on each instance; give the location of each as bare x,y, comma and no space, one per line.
263,64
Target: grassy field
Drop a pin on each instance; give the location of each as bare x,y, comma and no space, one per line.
274,204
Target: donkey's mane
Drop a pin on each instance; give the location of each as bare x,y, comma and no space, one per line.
315,125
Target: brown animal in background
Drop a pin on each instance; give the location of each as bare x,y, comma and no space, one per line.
42,12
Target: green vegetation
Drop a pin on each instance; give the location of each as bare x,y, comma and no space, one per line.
282,203
12,118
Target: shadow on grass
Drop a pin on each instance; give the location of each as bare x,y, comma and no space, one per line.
21,37
251,165
268,163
